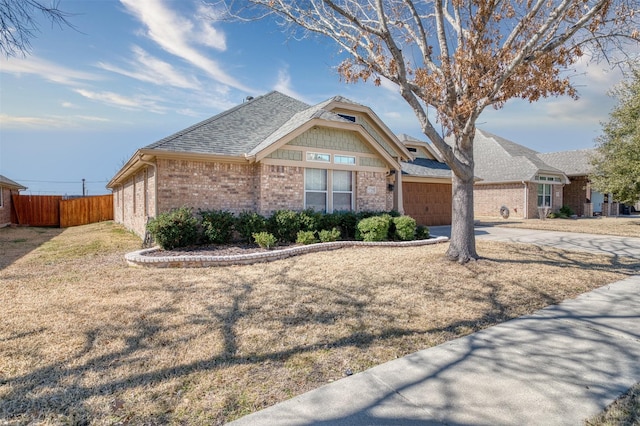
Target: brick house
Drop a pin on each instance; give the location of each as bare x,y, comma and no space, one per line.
577,194
270,153
513,176
7,189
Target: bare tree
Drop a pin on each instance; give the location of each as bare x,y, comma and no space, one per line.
18,26
459,57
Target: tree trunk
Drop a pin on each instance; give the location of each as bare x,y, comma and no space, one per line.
462,246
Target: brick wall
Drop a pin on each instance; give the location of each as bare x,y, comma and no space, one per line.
574,194
264,188
5,208
371,191
488,199
280,188
205,185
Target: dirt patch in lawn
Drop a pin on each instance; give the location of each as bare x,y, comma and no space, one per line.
84,338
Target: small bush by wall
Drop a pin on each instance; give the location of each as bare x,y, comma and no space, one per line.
177,228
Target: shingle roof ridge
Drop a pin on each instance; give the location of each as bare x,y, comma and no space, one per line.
216,117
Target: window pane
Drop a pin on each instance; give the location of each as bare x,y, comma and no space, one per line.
341,201
316,201
315,156
315,179
341,180
344,159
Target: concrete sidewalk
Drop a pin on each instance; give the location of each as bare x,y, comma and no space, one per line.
557,366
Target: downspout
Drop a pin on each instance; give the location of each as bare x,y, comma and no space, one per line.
526,201
155,184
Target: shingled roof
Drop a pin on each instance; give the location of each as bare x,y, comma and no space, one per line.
6,182
572,163
237,131
501,160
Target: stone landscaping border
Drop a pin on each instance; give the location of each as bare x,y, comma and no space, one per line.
138,258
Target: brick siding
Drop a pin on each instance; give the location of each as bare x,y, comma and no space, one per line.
5,208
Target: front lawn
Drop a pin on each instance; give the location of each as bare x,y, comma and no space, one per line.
84,338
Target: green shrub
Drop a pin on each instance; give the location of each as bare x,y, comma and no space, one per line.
327,236
217,226
345,221
374,228
264,239
177,228
285,224
306,237
422,232
405,227
249,223
566,211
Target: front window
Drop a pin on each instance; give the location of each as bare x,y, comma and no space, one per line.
342,190
315,189
328,190
544,195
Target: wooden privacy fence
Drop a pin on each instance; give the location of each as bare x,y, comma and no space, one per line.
54,210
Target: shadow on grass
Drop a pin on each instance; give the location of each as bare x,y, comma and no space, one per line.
50,388
16,242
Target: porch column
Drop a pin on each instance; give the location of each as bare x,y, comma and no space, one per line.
398,203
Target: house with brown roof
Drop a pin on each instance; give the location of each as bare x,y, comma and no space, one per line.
7,189
274,152
513,176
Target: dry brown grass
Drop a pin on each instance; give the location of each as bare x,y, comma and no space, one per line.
84,338
625,411
624,226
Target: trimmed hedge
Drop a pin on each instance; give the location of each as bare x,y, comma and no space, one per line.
181,228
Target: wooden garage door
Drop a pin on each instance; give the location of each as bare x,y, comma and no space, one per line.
428,203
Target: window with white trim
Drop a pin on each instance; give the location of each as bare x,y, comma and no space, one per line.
344,159
318,156
315,189
328,190
545,199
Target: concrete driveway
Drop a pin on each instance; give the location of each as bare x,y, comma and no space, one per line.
601,244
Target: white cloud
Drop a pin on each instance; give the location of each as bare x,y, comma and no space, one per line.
47,122
176,34
46,70
283,85
150,69
117,100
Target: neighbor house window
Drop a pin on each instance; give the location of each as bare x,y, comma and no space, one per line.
328,190
544,190
1,201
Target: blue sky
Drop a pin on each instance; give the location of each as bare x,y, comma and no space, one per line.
80,104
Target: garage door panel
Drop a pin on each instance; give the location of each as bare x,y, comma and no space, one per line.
428,203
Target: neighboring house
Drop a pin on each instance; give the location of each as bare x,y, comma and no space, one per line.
270,153
513,176
578,194
7,188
